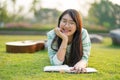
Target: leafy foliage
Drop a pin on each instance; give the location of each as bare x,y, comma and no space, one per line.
47,16
4,17
105,13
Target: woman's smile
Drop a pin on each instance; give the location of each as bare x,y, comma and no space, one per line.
66,31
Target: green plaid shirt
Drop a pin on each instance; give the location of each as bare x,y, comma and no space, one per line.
86,43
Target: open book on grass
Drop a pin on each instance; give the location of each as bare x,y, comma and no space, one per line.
65,68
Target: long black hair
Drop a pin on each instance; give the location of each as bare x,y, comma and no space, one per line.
76,51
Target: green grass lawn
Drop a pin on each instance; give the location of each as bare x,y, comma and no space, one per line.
104,57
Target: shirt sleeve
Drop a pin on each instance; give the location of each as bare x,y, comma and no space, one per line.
86,45
52,54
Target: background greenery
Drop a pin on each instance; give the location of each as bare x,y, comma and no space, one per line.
104,57
102,17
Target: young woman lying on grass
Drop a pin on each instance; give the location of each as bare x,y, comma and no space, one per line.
69,43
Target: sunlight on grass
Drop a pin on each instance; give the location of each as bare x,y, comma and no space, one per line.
104,57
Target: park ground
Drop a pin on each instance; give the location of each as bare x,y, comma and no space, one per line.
104,57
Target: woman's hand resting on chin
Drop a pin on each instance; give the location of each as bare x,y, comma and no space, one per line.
60,34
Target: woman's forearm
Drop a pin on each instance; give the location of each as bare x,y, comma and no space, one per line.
62,50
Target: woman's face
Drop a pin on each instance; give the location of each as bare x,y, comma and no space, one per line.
67,25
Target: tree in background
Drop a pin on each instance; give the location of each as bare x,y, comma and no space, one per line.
46,15
33,6
14,10
16,16
3,12
6,16
105,14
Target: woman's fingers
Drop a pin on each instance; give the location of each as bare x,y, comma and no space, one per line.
57,31
81,70
60,34
78,70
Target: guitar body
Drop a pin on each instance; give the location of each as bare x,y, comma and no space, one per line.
25,46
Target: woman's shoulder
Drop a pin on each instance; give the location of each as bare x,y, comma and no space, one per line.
84,30
51,33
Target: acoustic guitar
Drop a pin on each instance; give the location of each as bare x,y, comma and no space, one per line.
28,46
